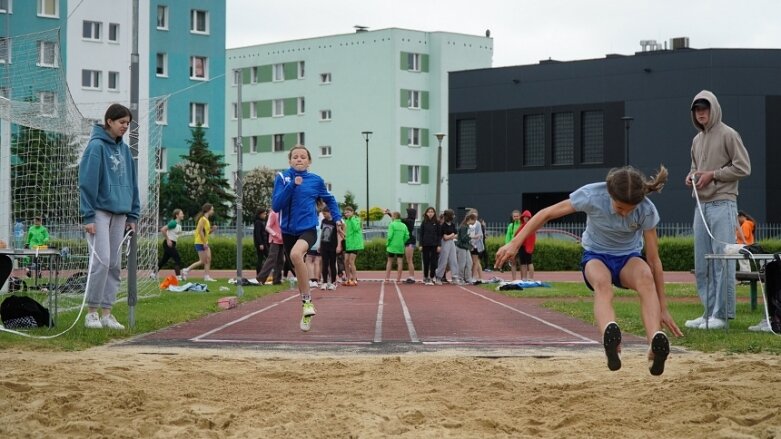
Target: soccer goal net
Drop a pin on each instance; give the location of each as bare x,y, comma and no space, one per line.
42,137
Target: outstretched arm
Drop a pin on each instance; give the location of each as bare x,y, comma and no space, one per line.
509,250
654,261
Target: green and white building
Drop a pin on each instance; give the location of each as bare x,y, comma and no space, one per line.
325,92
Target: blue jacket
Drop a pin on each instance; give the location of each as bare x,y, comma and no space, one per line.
107,178
297,204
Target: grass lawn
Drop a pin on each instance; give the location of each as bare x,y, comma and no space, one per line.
575,299
571,298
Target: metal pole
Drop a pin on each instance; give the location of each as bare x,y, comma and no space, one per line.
132,261
439,136
627,121
366,135
239,189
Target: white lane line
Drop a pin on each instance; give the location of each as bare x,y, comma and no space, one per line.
483,343
220,328
543,321
380,309
413,335
284,342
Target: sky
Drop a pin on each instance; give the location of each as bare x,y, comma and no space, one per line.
524,31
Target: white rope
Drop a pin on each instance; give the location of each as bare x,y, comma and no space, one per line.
90,238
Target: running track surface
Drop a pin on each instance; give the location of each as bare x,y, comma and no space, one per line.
380,316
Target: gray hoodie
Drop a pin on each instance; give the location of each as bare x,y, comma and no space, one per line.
718,147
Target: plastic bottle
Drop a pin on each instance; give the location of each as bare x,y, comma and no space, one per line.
18,234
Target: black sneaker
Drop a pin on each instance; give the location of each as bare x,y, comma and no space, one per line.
409,280
611,340
660,347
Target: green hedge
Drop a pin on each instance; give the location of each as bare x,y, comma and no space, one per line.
549,255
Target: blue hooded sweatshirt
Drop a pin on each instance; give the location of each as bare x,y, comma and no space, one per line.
107,178
297,204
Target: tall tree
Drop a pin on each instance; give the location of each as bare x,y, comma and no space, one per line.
174,195
258,187
204,176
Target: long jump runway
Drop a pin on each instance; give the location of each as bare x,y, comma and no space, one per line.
386,317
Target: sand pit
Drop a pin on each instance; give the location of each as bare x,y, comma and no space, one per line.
123,392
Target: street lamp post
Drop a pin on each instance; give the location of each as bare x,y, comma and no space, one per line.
439,136
366,135
627,121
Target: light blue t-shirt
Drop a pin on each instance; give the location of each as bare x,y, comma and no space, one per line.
607,232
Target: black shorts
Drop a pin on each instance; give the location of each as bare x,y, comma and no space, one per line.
395,255
310,236
523,257
352,252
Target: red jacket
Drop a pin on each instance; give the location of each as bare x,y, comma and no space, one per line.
528,244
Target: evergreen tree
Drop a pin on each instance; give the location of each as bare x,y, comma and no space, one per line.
349,200
204,176
173,194
258,186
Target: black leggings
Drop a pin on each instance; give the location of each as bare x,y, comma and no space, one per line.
430,261
171,253
329,264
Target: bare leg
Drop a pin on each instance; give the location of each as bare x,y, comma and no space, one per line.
388,268
299,265
636,275
399,268
599,277
409,252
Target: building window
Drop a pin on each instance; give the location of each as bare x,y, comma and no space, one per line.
199,67
161,66
325,115
5,50
413,101
113,81
253,144
199,22
413,62
253,109
563,139
301,138
234,146
90,79
301,69
48,102
235,114
413,174
534,140
413,137
90,30
279,72
279,142
47,54
329,187
199,114
162,160
325,151
5,6
301,105
255,75
593,135
278,107
113,32
161,112
162,17
49,8
466,144
325,78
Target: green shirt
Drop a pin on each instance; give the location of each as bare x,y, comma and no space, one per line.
398,234
511,229
353,235
37,235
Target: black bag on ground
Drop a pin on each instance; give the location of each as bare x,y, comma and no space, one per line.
773,293
74,284
23,312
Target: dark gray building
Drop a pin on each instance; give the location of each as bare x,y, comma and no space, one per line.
526,136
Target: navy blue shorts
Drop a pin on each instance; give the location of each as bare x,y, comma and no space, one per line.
613,263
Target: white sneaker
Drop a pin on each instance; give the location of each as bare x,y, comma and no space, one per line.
695,323
323,286
331,287
92,321
713,323
184,273
762,326
312,284
208,278
110,322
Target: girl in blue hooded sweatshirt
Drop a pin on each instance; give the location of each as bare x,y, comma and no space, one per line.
296,191
109,204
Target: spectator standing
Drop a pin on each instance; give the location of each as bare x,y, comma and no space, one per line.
276,258
109,203
447,255
525,263
512,230
430,239
477,236
464,251
329,246
398,235
171,233
260,239
353,244
203,230
719,160
409,246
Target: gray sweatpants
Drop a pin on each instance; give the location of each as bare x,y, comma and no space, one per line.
105,259
464,258
447,257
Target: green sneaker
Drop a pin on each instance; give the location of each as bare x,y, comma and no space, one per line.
306,319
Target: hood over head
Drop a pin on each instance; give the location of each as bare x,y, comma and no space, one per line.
526,214
706,99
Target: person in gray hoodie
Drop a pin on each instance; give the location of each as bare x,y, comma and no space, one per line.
109,203
719,160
